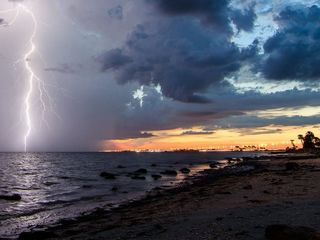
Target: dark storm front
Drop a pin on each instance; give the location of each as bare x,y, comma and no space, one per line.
53,186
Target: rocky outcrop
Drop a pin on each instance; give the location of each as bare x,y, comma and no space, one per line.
185,170
137,177
107,175
156,176
14,197
213,165
141,171
169,172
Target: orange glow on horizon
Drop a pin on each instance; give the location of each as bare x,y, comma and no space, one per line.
269,137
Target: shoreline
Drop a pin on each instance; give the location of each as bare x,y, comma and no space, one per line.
150,211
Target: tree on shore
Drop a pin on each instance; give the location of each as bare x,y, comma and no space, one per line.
309,141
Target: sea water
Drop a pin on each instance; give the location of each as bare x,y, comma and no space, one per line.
56,186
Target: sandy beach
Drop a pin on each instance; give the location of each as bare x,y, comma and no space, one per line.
236,206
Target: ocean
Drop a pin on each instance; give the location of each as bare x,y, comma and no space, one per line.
56,186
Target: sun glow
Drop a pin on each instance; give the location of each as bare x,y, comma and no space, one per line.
270,137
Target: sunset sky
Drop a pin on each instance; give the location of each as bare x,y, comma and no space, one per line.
159,74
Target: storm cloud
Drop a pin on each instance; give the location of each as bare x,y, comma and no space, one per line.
293,52
179,54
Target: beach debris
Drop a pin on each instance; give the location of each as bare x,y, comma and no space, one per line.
137,177
170,172
14,197
107,175
120,166
153,165
86,186
286,232
292,166
156,176
185,170
141,171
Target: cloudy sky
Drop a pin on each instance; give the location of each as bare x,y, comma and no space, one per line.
159,74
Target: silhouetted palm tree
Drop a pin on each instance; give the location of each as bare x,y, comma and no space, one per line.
309,141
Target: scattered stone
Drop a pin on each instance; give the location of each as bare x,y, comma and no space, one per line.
156,177
292,166
153,165
248,187
222,192
120,166
170,172
39,235
159,227
14,197
242,233
107,175
285,232
219,219
315,170
185,170
141,171
114,189
256,201
213,165
136,177
86,186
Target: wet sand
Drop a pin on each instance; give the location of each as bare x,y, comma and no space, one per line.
236,206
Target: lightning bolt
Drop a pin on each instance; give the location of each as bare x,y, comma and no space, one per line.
32,79
32,76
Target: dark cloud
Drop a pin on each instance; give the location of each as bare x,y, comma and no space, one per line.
197,133
245,122
244,19
181,55
134,135
214,12
205,114
63,68
113,59
116,12
246,132
294,51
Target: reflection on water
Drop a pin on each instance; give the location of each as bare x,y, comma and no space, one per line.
64,185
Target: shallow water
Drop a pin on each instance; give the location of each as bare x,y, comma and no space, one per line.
58,186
